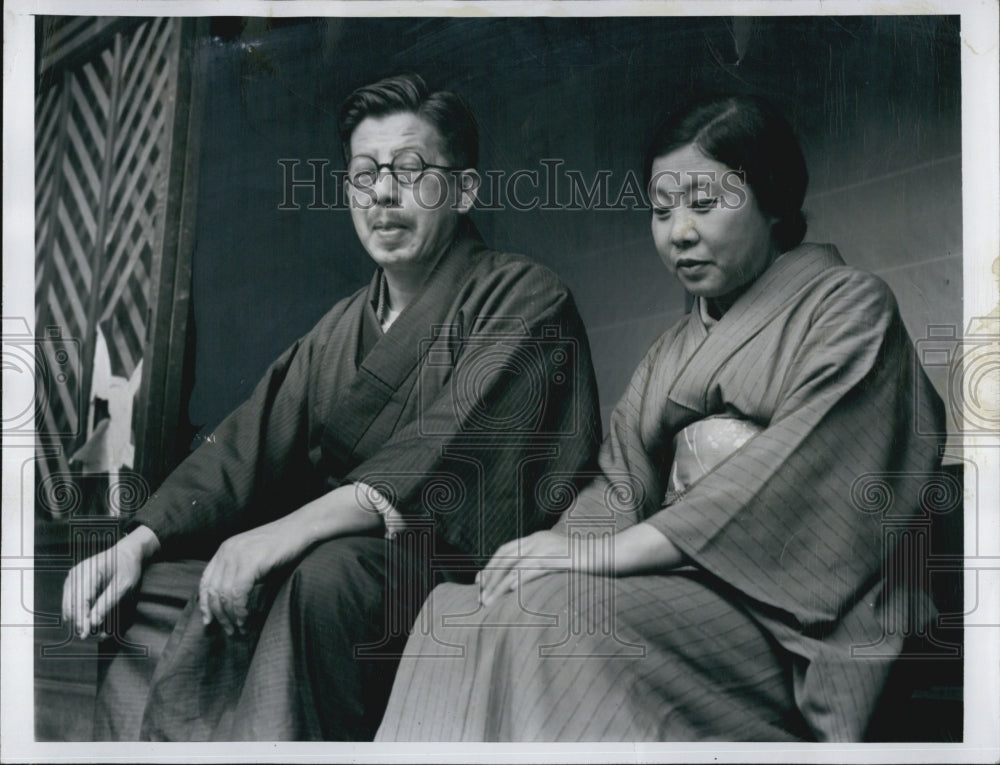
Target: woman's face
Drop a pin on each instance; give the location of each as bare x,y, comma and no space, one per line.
707,226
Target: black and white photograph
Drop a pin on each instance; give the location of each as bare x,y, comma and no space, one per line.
495,381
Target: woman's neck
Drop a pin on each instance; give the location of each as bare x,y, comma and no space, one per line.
717,306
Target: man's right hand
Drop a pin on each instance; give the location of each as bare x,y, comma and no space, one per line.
96,585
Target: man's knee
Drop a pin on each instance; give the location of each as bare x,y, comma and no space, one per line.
348,572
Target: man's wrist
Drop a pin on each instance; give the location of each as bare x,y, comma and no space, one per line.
144,541
371,500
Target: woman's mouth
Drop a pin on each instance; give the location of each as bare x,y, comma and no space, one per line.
689,265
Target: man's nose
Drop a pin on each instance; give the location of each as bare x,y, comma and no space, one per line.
386,187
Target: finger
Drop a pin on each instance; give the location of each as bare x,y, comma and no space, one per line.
497,582
80,606
71,597
240,610
505,584
499,562
223,591
67,595
526,575
490,577
205,585
206,612
83,594
218,603
209,604
506,558
232,604
496,572
104,603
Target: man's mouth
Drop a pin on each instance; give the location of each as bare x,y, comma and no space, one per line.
388,225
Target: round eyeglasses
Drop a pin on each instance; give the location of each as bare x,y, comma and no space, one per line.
406,168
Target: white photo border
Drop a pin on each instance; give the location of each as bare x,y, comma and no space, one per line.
980,66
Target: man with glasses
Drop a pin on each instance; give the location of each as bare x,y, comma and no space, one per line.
399,442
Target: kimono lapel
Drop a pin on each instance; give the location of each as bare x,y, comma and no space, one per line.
755,309
367,409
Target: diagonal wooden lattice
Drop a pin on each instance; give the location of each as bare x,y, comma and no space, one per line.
46,104
71,145
101,137
137,192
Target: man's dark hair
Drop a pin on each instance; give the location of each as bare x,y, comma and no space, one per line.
446,111
746,134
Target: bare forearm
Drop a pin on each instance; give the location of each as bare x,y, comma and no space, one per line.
243,560
341,512
638,549
642,548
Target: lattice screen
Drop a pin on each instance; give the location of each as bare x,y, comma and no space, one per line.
102,136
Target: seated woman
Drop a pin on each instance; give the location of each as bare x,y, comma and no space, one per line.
720,579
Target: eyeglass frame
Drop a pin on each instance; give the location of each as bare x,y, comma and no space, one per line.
425,166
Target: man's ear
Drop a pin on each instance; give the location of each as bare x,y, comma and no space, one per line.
467,186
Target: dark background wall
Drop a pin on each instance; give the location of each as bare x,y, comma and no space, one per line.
875,100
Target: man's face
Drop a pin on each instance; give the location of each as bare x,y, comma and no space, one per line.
404,227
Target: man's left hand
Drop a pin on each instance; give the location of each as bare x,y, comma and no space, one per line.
240,562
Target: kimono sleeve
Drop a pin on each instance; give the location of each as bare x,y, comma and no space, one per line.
627,480
254,466
776,520
520,404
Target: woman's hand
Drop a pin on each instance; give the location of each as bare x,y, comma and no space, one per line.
526,558
240,562
96,585
635,550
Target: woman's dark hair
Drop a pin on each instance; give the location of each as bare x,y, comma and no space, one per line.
747,134
446,111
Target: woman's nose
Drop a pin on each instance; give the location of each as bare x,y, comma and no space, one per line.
684,229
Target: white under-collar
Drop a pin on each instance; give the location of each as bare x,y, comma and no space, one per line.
707,320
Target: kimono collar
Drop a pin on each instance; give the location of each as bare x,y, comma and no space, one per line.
701,305
754,310
397,352
380,303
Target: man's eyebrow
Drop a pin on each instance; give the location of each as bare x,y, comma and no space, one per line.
421,150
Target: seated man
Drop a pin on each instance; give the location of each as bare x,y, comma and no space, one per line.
433,400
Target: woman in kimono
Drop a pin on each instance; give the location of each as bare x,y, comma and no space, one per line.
728,575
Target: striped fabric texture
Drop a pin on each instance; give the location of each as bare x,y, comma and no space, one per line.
483,383
782,532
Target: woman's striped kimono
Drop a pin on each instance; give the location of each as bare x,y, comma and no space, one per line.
797,598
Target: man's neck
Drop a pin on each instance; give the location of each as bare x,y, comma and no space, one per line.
403,284
398,294
405,281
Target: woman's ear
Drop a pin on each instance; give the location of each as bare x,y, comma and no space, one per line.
468,182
